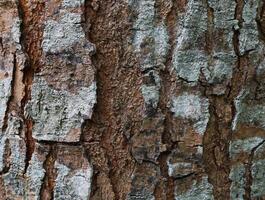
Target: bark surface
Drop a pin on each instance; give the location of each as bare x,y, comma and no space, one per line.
132,99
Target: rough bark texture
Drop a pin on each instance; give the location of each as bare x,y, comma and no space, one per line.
132,99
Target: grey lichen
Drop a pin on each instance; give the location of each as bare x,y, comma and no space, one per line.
72,184
13,156
145,28
161,39
150,40
261,68
179,169
3,152
146,12
151,89
192,107
13,180
252,147
61,35
249,35
237,176
239,108
244,145
15,31
5,93
248,112
58,115
258,174
188,64
150,94
35,173
72,3
198,190
188,57
221,68
224,15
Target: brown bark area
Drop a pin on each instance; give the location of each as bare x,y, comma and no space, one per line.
116,116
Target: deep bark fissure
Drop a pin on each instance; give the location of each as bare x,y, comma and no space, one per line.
248,172
105,126
167,82
31,37
217,138
48,182
215,151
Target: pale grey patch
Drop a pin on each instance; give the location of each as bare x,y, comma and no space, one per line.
244,145
139,38
188,59
237,176
151,91
35,176
57,113
193,107
15,31
72,184
3,152
221,69
223,14
150,94
63,34
248,38
13,180
188,64
238,106
5,93
261,68
14,125
72,3
161,43
258,183
146,13
179,169
249,35
248,113
146,33
202,190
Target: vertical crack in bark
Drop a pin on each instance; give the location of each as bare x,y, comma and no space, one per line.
103,134
31,37
91,17
210,27
167,82
215,154
219,132
248,172
48,183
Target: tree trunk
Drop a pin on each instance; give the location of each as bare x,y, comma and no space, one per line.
132,99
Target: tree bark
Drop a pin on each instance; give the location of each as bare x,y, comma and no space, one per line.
132,99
